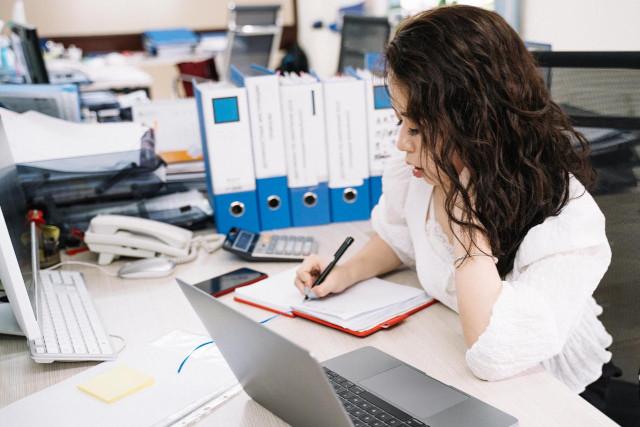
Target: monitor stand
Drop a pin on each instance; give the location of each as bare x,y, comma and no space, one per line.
8,324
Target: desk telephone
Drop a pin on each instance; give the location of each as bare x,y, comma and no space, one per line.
112,236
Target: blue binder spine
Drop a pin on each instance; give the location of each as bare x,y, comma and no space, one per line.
263,96
306,152
347,141
223,117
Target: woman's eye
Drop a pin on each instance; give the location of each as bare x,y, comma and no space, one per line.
399,122
413,132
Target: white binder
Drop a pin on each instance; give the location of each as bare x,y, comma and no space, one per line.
382,130
347,143
263,94
305,146
226,145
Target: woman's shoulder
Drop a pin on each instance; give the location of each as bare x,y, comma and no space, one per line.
579,225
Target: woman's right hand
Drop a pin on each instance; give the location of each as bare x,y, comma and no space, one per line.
337,281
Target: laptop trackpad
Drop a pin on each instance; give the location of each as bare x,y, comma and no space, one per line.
413,391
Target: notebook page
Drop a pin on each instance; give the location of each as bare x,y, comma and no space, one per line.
374,318
276,292
365,297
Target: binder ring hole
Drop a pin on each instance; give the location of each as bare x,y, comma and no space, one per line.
310,199
273,202
350,195
236,209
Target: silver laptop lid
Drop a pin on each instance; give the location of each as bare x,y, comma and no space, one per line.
275,372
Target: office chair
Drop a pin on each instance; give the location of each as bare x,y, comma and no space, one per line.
600,93
194,71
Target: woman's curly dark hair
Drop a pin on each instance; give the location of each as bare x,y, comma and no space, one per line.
474,91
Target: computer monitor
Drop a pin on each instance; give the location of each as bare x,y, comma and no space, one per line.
361,35
253,36
18,256
26,46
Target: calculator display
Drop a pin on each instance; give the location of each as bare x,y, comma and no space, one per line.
243,241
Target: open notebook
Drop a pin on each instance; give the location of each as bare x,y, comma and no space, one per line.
361,310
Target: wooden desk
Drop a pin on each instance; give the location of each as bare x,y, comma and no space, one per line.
142,310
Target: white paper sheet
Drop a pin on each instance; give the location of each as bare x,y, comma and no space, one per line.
360,307
206,373
35,138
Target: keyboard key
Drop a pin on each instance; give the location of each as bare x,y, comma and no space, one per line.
329,372
397,413
374,410
338,388
357,412
415,423
358,423
386,418
366,418
354,399
377,423
364,405
348,384
338,379
356,390
343,393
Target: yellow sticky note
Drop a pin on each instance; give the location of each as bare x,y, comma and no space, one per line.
116,383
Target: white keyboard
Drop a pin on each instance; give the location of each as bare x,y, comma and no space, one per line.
71,328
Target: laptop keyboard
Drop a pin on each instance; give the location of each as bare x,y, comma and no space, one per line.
366,409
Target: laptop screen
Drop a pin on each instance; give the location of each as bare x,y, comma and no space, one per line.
14,209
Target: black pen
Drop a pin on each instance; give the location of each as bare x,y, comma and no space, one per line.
336,257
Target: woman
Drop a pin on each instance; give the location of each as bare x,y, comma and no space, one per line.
489,203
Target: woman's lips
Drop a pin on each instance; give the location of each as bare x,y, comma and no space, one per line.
418,172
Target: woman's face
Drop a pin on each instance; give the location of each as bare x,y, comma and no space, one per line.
410,140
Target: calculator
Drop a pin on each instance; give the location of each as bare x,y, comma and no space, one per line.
269,247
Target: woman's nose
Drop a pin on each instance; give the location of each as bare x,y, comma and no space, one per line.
403,144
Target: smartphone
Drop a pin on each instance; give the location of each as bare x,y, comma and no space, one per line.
225,283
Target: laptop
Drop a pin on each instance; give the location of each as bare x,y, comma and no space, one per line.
365,387
51,308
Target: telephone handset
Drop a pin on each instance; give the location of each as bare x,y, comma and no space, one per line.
112,236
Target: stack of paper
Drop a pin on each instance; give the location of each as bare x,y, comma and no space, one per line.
61,100
42,141
359,308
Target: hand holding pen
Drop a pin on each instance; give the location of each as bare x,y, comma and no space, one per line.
314,274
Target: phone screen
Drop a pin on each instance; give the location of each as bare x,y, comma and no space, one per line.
227,282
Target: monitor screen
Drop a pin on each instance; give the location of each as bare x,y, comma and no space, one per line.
26,44
14,210
249,49
361,35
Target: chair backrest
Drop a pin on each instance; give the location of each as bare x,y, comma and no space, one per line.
600,91
205,70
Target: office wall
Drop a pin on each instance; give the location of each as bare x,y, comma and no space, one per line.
583,24
102,17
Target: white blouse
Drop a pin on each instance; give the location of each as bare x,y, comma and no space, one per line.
545,314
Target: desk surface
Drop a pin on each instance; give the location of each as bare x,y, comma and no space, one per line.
432,341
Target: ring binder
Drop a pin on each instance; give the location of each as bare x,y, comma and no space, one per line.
347,145
226,145
305,148
263,94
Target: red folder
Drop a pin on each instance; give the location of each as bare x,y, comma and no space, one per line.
384,325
